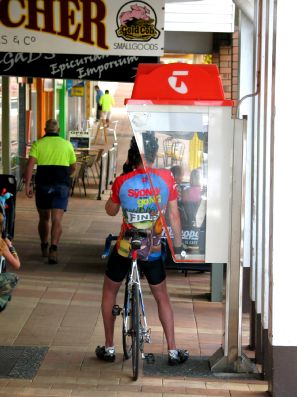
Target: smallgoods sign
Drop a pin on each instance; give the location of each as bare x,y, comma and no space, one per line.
129,28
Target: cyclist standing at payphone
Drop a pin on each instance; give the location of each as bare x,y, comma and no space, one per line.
133,193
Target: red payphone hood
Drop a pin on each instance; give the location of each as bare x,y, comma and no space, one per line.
178,84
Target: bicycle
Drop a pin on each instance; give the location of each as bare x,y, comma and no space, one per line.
135,331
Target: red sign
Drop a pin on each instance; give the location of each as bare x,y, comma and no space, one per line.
179,83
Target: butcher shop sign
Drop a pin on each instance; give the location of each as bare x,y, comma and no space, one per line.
134,28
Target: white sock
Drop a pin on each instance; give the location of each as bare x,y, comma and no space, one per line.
110,349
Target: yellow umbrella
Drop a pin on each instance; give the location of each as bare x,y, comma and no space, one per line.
195,152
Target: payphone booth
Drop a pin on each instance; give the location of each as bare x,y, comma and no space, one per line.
182,108
186,136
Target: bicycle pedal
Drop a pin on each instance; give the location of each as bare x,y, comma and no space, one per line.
116,310
147,339
150,358
147,336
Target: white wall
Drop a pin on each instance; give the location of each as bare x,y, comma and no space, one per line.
284,262
200,16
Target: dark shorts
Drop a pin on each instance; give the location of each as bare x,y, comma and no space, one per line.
52,196
118,267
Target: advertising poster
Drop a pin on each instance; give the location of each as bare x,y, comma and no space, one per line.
79,139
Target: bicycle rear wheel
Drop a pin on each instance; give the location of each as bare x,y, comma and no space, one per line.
135,331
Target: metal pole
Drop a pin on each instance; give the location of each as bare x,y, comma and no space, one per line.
230,358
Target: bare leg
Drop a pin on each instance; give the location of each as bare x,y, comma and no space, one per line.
56,230
44,224
110,290
107,123
165,312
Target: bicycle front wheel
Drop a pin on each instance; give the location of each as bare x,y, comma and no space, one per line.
135,331
127,325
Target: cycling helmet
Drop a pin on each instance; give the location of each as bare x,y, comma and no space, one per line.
150,146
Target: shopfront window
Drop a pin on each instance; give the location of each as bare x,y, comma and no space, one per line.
76,105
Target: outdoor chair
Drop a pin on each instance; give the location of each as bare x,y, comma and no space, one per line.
22,168
78,178
173,151
90,162
97,161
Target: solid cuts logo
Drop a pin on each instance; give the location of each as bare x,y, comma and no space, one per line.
137,22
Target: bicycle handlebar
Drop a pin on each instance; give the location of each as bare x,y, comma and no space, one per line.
107,245
135,234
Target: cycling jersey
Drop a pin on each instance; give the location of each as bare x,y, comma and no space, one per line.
137,197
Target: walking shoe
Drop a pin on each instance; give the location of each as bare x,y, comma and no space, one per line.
53,256
44,250
176,357
105,354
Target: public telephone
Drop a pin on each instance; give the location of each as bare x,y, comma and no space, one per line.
183,107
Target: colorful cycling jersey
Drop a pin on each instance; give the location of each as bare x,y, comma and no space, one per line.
137,194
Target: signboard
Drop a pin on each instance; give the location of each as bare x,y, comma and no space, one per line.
83,27
77,90
193,238
76,67
79,139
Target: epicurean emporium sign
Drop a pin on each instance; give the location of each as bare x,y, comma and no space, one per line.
69,66
83,27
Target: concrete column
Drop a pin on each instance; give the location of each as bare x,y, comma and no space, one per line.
5,125
63,101
22,119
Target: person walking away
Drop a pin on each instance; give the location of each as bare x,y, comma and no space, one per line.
107,102
124,195
55,159
99,94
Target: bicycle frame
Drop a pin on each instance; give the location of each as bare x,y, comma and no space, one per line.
133,278
135,331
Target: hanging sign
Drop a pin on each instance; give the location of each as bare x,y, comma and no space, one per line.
83,27
76,67
77,90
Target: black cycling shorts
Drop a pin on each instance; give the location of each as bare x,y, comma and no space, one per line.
118,267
